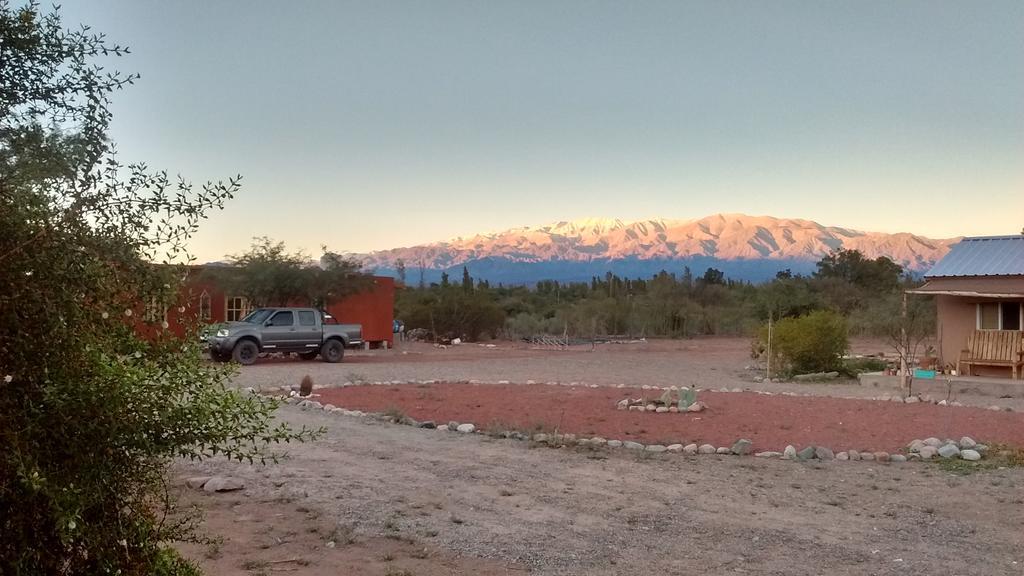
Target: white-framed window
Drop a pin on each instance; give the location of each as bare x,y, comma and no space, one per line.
205,307
1000,316
155,311
236,308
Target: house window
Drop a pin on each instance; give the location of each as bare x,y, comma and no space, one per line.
1000,316
237,307
155,311
205,307
1011,316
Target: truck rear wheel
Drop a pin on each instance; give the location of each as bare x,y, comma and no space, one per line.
245,352
332,351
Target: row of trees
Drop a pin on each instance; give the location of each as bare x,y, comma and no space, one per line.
867,292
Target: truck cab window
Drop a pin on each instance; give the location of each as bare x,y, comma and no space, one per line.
282,319
307,318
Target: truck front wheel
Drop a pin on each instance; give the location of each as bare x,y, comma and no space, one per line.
332,351
245,352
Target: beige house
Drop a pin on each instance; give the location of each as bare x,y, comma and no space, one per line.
978,285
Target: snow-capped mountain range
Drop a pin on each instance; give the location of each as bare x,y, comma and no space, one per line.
745,247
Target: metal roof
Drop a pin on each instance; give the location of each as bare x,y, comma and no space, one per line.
982,256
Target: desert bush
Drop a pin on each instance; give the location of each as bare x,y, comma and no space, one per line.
812,343
91,414
306,385
855,366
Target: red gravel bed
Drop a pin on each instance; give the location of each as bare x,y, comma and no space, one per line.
770,422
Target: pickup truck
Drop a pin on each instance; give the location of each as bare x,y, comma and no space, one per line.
305,331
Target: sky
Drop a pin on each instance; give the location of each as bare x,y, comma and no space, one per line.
377,124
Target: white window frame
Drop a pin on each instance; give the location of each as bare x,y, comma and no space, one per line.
999,318
242,310
154,311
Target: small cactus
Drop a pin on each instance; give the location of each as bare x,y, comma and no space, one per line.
306,386
686,398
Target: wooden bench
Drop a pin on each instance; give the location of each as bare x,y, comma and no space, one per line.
993,348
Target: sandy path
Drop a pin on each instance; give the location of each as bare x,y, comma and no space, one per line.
562,512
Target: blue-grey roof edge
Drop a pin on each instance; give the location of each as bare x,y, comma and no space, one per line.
982,256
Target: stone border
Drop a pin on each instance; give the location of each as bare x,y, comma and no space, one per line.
926,449
912,399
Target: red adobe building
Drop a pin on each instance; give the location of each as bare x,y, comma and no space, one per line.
204,300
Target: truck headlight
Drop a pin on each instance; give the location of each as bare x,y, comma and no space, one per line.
222,333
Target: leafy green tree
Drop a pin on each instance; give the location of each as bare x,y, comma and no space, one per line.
91,415
880,274
269,275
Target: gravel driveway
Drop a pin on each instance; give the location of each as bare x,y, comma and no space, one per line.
556,511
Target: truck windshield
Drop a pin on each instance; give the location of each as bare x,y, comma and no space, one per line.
258,316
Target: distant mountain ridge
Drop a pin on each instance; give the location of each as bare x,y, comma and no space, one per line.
744,247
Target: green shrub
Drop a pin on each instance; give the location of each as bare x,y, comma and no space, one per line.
91,415
855,366
812,343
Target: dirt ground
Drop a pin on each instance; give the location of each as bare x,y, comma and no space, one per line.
402,501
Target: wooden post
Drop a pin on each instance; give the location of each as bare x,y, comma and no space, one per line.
904,350
768,364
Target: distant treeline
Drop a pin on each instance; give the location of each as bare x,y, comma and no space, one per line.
867,292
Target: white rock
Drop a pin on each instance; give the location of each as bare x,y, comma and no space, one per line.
696,407
970,454
442,428
768,454
197,482
912,400
789,453
690,448
223,484
933,441
928,452
655,448
842,456
630,445
674,448
622,404
706,449
723,450
615,443
967,442
598,441
661,409
949,451
897,458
